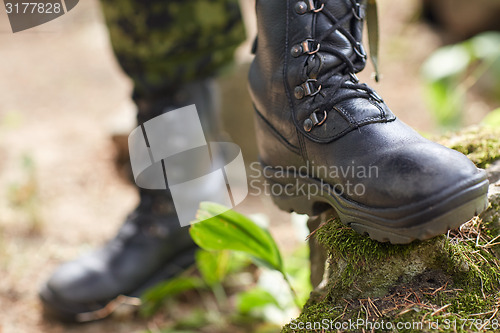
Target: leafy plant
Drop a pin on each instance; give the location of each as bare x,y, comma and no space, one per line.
451,71
232,295
155,297
221,229
492,119
213,266
253,299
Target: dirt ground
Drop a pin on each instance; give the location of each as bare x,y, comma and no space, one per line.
62,96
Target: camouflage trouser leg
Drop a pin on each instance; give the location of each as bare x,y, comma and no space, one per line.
163,44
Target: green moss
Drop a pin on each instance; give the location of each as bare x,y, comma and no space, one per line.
480,144
473,265
407,284
314,313
346,243
463,312
491,217
352,257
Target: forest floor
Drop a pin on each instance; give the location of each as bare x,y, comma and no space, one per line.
63,96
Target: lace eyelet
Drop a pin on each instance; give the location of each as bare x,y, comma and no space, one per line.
356,10
360,50
302,7
319,9
309,44
316,92
312,6
307,89
309,84
313,120
322,121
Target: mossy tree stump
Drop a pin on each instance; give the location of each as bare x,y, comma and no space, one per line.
448,284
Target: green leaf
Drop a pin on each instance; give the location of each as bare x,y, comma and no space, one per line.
192,319
253,299
492,119
300,277
221,229
153,298
446,62
213,265
445,102
486,45
238,261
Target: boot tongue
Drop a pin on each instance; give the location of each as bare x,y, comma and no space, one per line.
322,63
334,40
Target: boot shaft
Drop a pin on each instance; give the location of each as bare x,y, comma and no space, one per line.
303,80
203,93
293,34
288,29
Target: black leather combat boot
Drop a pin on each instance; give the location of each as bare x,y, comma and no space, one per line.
327,140
150,247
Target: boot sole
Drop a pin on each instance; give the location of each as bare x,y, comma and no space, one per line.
402,225
71,312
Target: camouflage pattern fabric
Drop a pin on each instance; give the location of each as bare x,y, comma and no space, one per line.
162,44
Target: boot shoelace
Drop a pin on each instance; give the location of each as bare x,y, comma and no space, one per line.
312,46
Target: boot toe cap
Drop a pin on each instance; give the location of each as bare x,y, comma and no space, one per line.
83,280
77,287
417,172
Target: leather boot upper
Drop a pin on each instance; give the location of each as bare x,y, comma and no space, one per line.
311,110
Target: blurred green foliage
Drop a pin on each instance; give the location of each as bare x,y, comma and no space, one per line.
24,195
156,296
492,119
451,71
253,299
